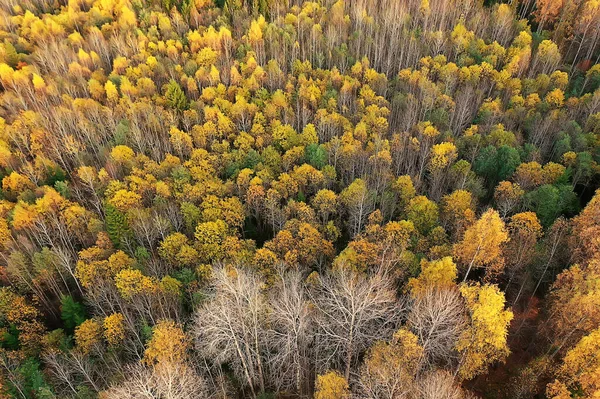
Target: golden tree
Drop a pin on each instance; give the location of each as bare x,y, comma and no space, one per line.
332,385
484,342
482,243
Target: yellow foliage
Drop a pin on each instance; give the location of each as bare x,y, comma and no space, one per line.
24,216
436,273
325,203
484,341
458,210
87,174
580,370
442,155
88,335
482,243
111,91
162,189
131,282
507,195
404,188
122,154
168,344
332,385
552,172
38,82
124,200
16,183
575,301
555,98
255,33
389,369
170,286
119,261
114,329
127,19
5,234
15,311
181,141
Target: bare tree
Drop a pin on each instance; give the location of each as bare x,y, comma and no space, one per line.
439,385
70,370
292,320
231,327
354,311
64,377
166,380
438,317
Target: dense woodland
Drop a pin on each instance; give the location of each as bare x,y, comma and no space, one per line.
377,199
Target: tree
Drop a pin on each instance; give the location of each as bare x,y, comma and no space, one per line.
231,326
181,142
359,202
441,273
164,370
441,158
497,164
117,226
390,369
529,175
124,200
550,201
175,96
482,243
174,381
24,380
423,213
578,374
332,385
210,237
132,282
11,56
292,320
586,229
438,318
547,11
25,329
297,188
353,312
574,303
458,211
71,312
484,340
88,336
325,203
114,329
547,57
176,250
508,196
439,384
524,231
403,187
301,244
168,344
122,154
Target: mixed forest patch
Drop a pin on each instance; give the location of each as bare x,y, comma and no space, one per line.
285,198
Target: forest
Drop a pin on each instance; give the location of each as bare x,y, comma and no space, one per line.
329,199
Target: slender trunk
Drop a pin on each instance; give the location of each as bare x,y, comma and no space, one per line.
472,262
243,360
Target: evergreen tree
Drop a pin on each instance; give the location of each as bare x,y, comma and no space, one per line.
175,96
117,226
72,312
